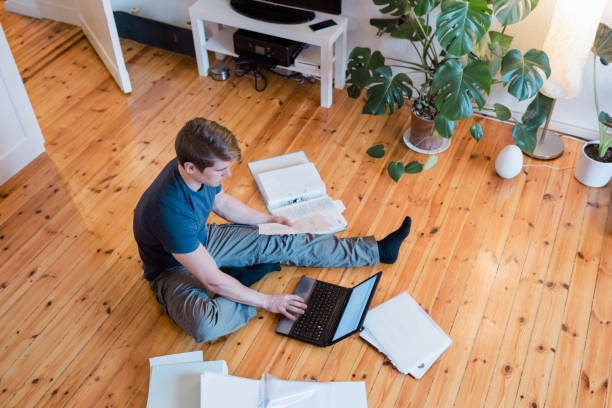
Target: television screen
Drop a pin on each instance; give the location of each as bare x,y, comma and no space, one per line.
326,6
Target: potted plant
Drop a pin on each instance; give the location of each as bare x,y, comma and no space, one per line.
457,58
594,166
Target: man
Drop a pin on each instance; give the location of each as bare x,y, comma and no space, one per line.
182,254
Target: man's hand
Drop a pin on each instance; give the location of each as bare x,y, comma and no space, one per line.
280,220
285,304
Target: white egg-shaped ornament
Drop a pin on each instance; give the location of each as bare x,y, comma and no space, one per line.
509,162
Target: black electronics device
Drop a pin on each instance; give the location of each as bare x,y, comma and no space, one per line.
266,49
321,25
272,12
333,313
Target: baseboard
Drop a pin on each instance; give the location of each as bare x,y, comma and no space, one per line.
554,125
29,10
65,14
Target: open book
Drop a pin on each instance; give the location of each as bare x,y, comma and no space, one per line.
292,187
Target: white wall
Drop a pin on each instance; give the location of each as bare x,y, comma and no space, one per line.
575,116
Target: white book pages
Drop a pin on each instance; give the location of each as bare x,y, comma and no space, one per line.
290,185
323,206
314,224
277,162
405,333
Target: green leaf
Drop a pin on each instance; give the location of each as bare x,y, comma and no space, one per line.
387,91
393,7
537,111
477,131
395,170
412,29
605,119
376,152
361,65
457,86
525,137
413,167
520,73
425,6
510,12
502,112
431,162
491,49
461,24
444,126
603,42
386,25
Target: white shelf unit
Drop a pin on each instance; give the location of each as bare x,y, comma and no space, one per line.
324,57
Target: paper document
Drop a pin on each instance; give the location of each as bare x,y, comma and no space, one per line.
404,332
314,224
228,391
178,385
292,187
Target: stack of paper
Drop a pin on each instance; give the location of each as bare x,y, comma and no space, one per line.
175,379
292,187
226,391
400,329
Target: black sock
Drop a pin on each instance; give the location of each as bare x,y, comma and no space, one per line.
389,246
248,275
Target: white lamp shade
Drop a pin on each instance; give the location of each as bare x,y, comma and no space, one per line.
568,44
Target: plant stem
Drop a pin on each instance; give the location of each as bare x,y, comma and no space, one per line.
425,67
412,70
602,129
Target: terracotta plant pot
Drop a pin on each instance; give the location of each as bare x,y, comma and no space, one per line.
420,138
591,172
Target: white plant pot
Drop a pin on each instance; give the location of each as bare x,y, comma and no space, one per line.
591,172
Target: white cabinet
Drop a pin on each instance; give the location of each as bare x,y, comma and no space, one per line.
21,140
320,62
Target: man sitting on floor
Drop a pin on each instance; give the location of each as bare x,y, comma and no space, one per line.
182,254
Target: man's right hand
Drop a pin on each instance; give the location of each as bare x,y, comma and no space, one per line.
288,305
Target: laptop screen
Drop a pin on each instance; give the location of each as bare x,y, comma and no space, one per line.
355,308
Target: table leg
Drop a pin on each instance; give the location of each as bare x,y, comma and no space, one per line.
341,60
327,59
199,42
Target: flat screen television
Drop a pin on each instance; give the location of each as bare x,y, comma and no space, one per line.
276,11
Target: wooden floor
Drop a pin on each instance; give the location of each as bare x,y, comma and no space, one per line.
517,272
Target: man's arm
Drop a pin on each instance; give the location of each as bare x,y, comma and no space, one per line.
204,267
237,212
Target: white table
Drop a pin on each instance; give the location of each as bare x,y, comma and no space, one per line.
311,62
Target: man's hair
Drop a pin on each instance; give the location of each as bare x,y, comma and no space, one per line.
202,141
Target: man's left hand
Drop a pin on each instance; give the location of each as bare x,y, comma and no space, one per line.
280,220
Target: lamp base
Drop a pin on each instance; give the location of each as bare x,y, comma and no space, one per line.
549,146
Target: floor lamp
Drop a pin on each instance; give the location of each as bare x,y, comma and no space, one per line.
567,44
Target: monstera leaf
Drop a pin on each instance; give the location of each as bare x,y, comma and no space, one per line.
444,126
425,6
525,136
457,86
491,49
461,24
519,71
603,42
394,7
537,111
512,11
413,29
361,65
387,90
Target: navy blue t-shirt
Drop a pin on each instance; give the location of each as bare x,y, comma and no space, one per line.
170,218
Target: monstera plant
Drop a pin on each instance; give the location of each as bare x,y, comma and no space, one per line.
457,56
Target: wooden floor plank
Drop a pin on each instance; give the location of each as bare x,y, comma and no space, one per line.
497,263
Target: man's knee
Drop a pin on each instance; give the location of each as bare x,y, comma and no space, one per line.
223,317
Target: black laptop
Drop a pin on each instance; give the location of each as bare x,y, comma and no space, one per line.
333,313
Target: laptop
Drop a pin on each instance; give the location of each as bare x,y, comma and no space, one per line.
333,313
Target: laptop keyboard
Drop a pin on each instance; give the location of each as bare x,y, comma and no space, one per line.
314,321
